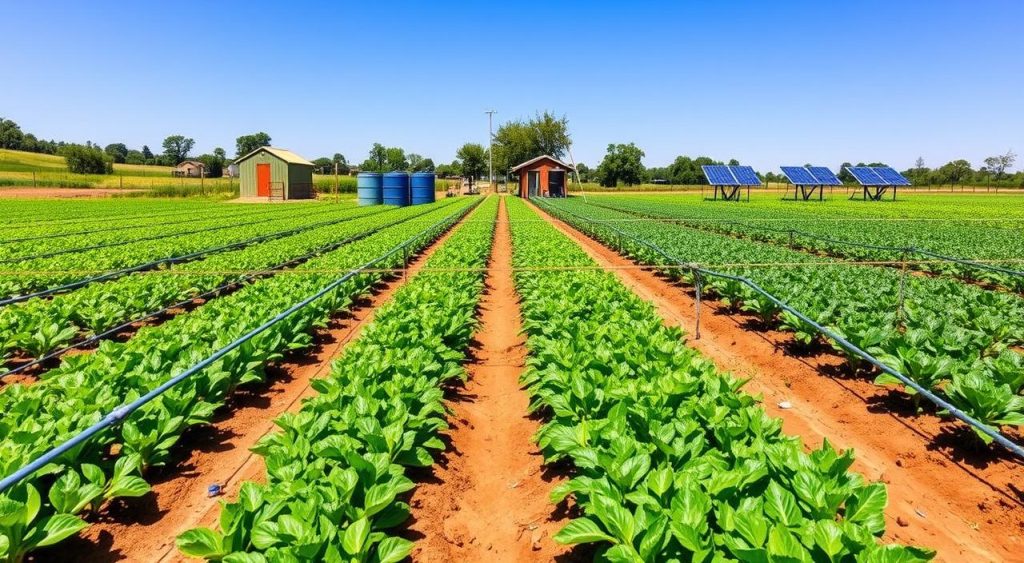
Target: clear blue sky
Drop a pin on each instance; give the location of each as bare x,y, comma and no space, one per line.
769,83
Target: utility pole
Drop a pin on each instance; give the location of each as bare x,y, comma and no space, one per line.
490,145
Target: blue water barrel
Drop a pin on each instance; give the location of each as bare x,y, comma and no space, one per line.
396,188
422,188
368,188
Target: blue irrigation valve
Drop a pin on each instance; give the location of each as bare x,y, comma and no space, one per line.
214,490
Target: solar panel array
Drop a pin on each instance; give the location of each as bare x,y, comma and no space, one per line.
811,176
721,175
877,176
893,177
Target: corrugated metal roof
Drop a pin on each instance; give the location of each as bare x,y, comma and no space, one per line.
284,154
539,158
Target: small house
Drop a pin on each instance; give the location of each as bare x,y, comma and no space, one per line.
274,173
543,176
188,169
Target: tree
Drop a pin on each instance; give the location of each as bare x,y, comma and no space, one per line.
473,158
248,143
117,151
339,160
10,134
395,159
844,174
518,141
134,157
323,165
449,170
220,153
147,154
919,163
377,160
425,165
176,148
583,171
956,171
999,164
213,165
623,164
87,160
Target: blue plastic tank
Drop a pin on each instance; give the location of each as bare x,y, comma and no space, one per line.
396,188
368,188
422,188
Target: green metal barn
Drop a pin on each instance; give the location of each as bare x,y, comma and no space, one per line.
275,173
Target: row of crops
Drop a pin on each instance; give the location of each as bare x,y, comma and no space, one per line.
674,462
996,243
958,340
91,392
36,327
336,470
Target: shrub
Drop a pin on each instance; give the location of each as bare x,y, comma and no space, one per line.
87,160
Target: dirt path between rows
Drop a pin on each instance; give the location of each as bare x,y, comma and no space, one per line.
967,506
488,499
144,529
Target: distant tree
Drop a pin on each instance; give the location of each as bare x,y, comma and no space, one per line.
414,161
583,171
87,160
473,159
425,165
449,170
213,165
117,151
844,174
147,154
220,153
30,143
377,160
955,172
999,164
733,162
134,157
248,143
919,163
622,163
518,141
176,148
323,165
10,135
339,159
396,159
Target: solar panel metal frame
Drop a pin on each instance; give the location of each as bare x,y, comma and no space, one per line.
789,171
895,179
710,169
859,174
745,170
830,180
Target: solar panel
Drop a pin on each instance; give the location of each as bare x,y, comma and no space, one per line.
719,175
745,175
867,176
800,176
824,176
891,176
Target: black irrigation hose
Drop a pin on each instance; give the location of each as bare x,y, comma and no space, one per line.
805,234
171,260
126,227
119,414
210,293
143,239
997,436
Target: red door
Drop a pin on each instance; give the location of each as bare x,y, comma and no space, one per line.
263,180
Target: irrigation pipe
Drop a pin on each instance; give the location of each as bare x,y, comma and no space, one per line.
996,436
121,413
170,260
247,276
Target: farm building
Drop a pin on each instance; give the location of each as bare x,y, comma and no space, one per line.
275,173
188,169
542,176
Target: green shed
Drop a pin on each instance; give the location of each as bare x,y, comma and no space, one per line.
275,174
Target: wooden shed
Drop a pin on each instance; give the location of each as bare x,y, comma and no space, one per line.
544,176
274,173
188,169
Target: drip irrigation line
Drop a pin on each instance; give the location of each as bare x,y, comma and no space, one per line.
99,246
126,227
119,414
996,436
37,224
983,265
173,260
247,277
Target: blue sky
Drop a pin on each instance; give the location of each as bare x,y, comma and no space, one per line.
769,83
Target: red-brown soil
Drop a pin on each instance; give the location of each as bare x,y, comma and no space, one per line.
945,494
144,529
488,498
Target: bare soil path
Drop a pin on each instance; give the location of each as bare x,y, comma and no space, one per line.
967,505
144,529
488,499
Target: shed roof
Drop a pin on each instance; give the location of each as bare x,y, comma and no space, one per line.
284,154
189,163
540,158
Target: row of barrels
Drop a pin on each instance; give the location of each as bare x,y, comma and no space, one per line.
395,188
